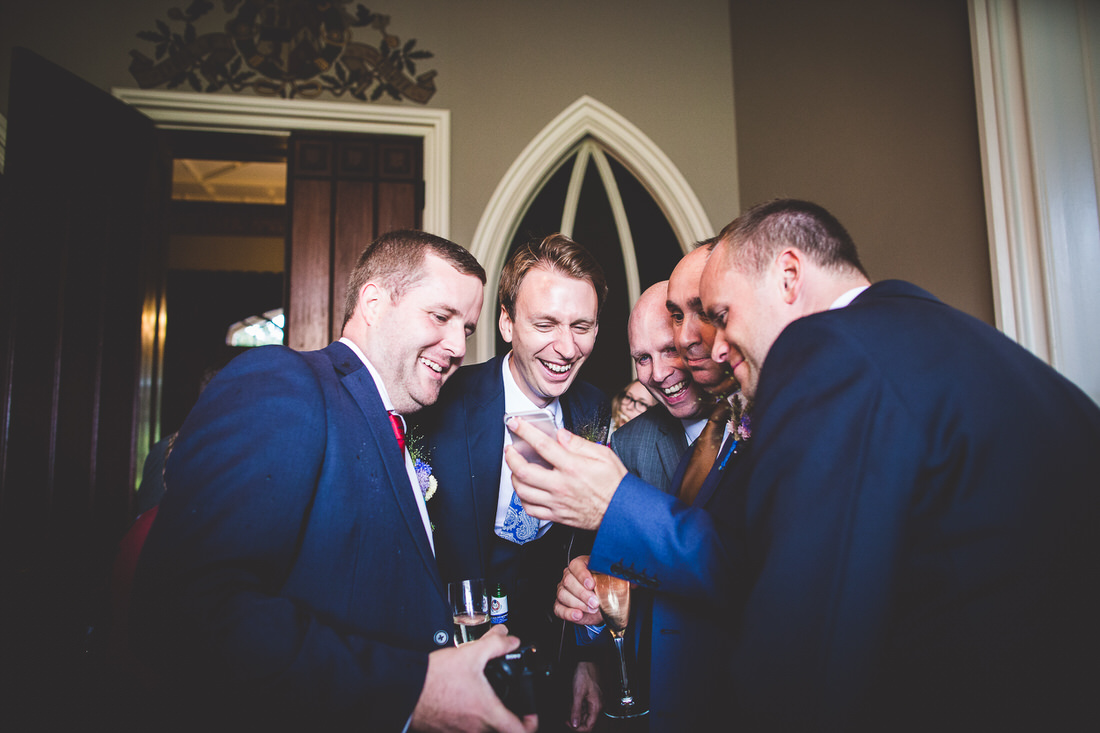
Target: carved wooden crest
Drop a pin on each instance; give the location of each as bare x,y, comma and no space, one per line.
286,48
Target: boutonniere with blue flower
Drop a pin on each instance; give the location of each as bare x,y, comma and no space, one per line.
428,483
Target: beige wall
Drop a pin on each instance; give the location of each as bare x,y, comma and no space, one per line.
867,107
506,69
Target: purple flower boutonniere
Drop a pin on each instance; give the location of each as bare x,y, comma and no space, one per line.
428,483
742,425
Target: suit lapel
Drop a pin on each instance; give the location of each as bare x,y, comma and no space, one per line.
484,419
670,448
356,379
714,478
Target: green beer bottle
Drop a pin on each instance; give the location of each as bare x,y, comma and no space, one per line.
498,605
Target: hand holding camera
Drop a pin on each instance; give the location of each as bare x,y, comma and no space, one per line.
516,678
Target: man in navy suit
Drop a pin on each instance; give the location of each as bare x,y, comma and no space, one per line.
551,293
290,577
916,532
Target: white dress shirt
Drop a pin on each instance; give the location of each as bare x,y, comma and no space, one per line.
516,401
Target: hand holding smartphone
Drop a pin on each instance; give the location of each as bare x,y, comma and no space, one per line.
541,420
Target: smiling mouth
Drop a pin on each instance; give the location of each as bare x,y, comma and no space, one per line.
561,369
675,390
434,366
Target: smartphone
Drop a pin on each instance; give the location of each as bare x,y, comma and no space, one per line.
541,420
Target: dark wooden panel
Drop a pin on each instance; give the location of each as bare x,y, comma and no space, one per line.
313,157
309,275
399,160
84,263
397,207
376,184
354,229
356,159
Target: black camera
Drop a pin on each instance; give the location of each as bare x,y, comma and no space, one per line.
517,678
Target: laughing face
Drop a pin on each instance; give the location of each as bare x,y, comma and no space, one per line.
422,337
692,328
658,362
552,334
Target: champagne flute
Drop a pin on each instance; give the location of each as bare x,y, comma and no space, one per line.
470,609
614,595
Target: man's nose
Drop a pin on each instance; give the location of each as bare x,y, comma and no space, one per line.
566,344
661,369
454,340
720,352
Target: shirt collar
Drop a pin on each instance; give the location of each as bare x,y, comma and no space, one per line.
846,298
516,401
693,427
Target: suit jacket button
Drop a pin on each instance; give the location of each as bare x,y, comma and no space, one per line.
442,637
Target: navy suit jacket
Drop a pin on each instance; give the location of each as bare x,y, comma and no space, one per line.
464,433
915,535
288,575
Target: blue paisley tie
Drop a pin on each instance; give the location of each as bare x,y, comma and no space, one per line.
519,527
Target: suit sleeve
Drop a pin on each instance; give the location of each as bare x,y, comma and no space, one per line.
210,613
654,540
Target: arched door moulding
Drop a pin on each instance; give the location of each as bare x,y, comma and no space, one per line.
537,162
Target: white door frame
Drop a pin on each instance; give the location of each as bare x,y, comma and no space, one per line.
1037,76
261,115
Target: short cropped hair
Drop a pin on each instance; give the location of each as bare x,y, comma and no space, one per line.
396,262
754,239
556,253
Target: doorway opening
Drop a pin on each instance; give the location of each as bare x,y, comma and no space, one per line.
226,253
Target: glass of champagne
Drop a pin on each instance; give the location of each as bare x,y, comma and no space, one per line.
614,595
470,607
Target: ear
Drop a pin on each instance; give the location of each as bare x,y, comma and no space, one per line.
505,324
791,272
371,302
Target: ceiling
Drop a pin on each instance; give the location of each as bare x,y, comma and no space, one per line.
229,181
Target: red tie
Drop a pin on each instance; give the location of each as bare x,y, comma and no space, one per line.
398,430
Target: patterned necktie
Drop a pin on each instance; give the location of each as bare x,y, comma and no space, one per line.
519,526
398,430
705,452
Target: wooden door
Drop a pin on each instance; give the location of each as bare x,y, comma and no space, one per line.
81,247
343,191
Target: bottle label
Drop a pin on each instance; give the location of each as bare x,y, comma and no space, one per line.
498,611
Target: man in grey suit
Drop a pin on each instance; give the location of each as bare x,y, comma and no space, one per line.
652,444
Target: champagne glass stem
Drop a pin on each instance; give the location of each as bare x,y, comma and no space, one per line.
627,697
